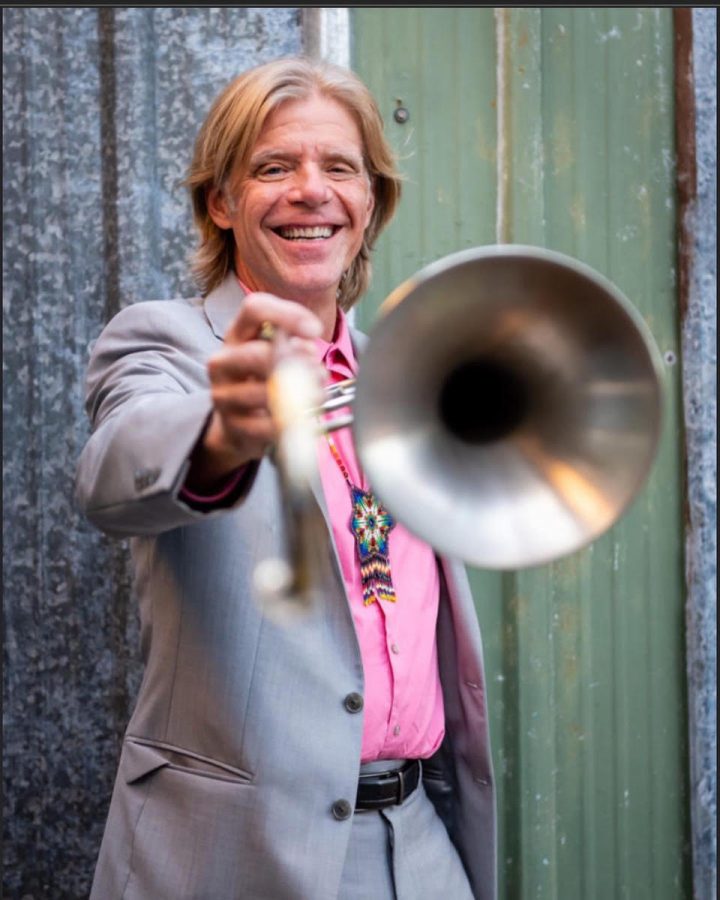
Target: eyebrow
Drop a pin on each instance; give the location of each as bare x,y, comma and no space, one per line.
268,155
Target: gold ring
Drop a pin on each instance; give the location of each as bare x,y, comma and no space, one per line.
267,331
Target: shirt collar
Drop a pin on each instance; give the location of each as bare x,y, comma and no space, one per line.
338,355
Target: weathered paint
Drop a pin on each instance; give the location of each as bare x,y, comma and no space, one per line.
100,111
585,657
415,59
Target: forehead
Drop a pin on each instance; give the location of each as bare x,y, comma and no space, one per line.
314,121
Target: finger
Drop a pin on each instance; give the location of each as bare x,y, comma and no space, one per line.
242,398
250,435
308,352
304,347
257,308
250,429
238,362
254,433
245,427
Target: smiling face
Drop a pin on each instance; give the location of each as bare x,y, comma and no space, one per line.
299,211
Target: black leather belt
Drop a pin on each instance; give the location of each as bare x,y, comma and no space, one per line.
381,789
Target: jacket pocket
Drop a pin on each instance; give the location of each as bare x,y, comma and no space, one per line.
142,757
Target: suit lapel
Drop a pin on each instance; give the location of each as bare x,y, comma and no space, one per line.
222,304
359,341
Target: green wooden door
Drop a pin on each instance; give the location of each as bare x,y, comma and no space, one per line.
585,657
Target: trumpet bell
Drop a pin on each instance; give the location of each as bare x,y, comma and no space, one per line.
508,406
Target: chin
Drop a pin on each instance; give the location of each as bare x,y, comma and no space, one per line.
322,287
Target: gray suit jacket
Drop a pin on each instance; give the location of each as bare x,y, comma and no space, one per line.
240,742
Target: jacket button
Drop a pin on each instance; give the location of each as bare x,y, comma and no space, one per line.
145,478
341,809
354,702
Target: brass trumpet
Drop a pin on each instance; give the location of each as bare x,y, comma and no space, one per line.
508,405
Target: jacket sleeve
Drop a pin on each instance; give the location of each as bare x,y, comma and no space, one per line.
148,401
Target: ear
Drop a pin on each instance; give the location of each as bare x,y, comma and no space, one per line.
370,204
218,208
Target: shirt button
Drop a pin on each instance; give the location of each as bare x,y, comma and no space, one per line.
394,648
354,702
396,730
341,809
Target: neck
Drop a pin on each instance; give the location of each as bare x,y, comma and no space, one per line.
325,308
328,316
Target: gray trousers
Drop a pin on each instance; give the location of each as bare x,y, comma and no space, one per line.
403,853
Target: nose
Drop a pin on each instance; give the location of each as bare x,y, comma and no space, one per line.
309,186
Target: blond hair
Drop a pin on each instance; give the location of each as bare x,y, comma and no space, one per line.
228,135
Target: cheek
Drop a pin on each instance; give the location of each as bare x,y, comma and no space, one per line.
361,210
252,209
247,226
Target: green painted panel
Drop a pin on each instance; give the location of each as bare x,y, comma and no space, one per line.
584,657
418,59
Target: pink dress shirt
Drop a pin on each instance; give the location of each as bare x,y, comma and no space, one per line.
404,714
403,708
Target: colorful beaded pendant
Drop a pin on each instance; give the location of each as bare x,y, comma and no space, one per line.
371,524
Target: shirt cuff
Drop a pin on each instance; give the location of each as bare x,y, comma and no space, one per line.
219,499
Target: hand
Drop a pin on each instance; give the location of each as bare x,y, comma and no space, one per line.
241,428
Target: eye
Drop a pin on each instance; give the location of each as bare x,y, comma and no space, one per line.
342,171
271,171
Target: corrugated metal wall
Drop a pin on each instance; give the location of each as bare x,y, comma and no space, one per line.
696,77
585,657
100,110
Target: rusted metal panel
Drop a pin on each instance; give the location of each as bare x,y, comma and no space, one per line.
696,128
100,109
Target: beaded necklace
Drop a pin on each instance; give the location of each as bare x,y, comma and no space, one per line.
371,524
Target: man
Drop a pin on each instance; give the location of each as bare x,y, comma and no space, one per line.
265,760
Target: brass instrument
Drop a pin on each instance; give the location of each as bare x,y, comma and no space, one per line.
508,405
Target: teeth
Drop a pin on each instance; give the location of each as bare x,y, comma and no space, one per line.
317,231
